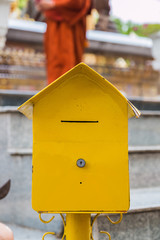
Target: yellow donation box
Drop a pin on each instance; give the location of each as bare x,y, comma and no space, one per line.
80,145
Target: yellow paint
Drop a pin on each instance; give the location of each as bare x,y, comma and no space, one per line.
80,116
78,226
45,221
47,233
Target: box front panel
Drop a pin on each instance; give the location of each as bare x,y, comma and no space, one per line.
80,120
61,186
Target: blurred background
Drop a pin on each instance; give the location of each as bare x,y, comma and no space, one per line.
123,45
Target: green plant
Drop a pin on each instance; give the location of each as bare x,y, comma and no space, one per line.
129,27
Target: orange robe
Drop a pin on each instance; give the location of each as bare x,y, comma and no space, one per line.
65,36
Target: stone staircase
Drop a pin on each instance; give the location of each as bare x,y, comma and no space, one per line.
143,219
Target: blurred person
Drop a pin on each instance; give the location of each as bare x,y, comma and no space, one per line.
5,232
65,35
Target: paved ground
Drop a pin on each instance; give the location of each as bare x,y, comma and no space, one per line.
28,233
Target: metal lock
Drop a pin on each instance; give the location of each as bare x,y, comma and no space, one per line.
81,163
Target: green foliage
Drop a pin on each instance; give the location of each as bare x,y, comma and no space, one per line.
22,4
143,30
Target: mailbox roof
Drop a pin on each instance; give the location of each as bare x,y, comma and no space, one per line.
27,107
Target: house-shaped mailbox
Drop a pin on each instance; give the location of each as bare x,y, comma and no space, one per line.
80,144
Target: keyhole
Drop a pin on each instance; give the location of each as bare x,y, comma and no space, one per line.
81,163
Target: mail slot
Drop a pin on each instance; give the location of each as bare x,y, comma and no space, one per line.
80,144
66,121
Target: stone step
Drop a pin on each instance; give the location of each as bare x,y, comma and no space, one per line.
145,199
14,97
141,222
17,97
134,226
144,131
144,166
151,104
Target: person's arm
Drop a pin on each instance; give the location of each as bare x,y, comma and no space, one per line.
5,232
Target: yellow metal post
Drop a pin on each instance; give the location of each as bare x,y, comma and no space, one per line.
78,226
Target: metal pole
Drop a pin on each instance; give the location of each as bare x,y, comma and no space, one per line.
78,226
